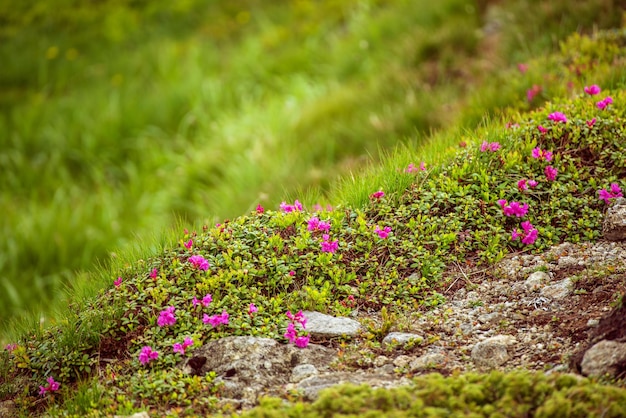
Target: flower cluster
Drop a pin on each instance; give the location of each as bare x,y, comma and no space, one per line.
551,173
206,300
199,262
291,334
154,273
557,117
542,129
146,355
591,122
260,209
216,320
315,224
523,184
532,92
188,244
166,317
528,234
180,348
489,146
613,193
52,386
542,154
327,245
377,195
513,208
602,104
10,347
592,90
413,169
382,233
117,282
252,308
297,206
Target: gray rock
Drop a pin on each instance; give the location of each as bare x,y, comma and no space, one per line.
311,387
605,357
143,414
567,261
614,226
303,371
321,325
536,280
401,338
428,361
402,361
492,352
558,290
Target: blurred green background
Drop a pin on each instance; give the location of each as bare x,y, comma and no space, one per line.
120,119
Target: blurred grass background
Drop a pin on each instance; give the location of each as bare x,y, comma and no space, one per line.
120,119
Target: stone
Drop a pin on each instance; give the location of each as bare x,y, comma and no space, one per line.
143,414
311,387
322,325
428,361
492,352
401,338
536,280
614,226
402,361
303,371
605,357
558,290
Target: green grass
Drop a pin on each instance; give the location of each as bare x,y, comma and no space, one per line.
252,255
113,128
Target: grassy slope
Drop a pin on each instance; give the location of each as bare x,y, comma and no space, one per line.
114,128
251,256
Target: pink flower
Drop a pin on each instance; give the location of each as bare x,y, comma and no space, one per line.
413,169
291,334
329,246
315,224
154,273
297,206
514,208
302,341
147,355
614,193
299,317
10,347
592,90
523,184
528,234
591,122
199,262
382,233
377,195
511,125
604,103
551,173
532,92
117,282
260,209
216,320
166,317
539,153
52,386
542,129
252,309
180,348
206,300
522,67
490,146
292,273
188,244
557,117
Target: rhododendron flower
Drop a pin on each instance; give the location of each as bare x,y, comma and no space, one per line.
557,117
605,102
513,208
154,273
551,173
180,348
297,206
206,300
413,169
542,129
511,125
117,282
377,195
292,334
315,224
10,347
523,184
292,273
382,233
489,146
216,320
539,153
252,309
302,341
260,209
52,386
199,262
329,246
591,122
299,317
592,90
166,317
188,244
532,92
528,234
613,193
147,355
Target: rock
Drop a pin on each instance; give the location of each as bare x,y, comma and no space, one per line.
321,325
402,361
401,338
567,261
311,387
558,290
303,371
380,361
143,414
614,226
536,280
249,366
428,361
492,352
605,357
